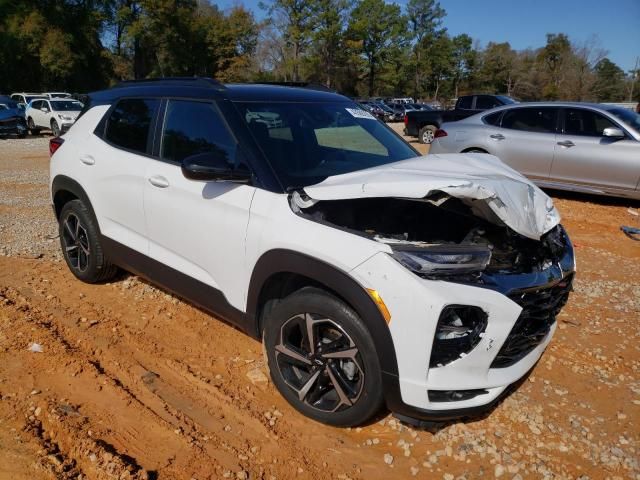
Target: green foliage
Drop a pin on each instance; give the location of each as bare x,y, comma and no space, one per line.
365,47
378,34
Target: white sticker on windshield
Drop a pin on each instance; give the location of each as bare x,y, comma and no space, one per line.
359,113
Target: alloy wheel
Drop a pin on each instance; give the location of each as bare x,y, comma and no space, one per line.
428,136
76,243
320,362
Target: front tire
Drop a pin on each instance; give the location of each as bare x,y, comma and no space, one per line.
32,127
322,359
81,246
427,134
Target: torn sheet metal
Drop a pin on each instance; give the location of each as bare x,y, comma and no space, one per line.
493,190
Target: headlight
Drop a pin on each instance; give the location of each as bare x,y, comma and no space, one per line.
443,259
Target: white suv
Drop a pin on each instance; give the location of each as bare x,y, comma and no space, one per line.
55,114
371,275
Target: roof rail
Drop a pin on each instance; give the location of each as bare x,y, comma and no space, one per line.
202,81
308,85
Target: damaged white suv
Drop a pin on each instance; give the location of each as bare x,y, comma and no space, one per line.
372,275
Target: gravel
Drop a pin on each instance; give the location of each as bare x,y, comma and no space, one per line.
27,225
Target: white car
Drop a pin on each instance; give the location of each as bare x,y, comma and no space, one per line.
371,275
56,95
24,98
55,114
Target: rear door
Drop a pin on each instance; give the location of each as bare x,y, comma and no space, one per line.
584,156
113,165
525,140
197,227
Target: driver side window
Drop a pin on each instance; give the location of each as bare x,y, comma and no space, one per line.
195,127
585,123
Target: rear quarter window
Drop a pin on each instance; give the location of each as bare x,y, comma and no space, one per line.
130,122
492,119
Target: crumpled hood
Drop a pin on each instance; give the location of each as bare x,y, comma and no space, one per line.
493,190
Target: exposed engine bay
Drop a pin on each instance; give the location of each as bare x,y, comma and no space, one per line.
440,221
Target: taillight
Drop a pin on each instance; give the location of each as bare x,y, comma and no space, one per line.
406,120
440,133
54,145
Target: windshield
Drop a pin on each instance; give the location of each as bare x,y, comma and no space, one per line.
627,116
31,98
66,106
307,142
506,100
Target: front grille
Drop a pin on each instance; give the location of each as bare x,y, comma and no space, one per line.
539,310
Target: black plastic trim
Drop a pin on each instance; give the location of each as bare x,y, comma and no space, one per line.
288,261
63,183
194,291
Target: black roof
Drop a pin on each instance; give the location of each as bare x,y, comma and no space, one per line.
198,87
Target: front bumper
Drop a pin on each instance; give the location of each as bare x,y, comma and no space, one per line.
415,305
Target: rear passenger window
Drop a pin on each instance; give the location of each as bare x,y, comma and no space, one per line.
195,127
541,120
493,119
130,122
585,122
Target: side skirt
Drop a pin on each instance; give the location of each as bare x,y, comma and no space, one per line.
194,291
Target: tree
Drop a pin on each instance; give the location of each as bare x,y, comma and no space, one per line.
553,58
463,59
295,20
378,32
609,84
327,52
424,17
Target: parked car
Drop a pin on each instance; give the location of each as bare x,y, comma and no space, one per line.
423,124
55,114
571,146
56,95
11,118
376,110
307,234
24,98
391,114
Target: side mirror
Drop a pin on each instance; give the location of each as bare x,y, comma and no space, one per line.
613,133
213,166
44,110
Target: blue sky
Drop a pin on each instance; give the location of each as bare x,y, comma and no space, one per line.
525,23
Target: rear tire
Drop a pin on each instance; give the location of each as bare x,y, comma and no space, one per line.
427,134
80,243
335,378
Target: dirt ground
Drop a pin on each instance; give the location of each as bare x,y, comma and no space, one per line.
132,383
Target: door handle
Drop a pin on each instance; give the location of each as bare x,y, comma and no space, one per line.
497,136
87,159
567,143
159,181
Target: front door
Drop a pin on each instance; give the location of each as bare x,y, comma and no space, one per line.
197,227
584,156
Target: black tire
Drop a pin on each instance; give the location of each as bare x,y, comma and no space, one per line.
81,246
55,128
351,363
427,134
32,127
475,150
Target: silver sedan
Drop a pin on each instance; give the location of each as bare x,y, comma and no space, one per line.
582,147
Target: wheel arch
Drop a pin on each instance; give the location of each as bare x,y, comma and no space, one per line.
280,271
63,190
474,149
